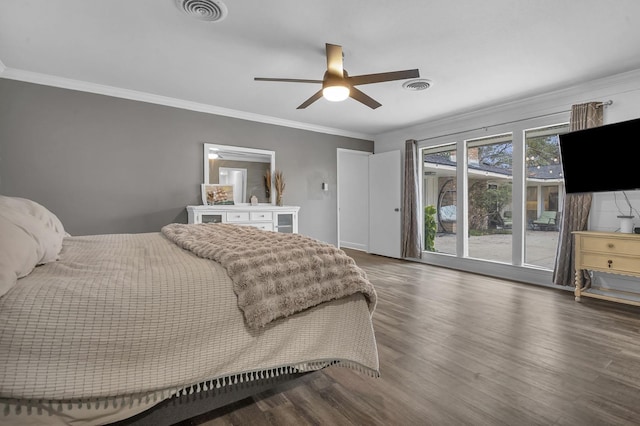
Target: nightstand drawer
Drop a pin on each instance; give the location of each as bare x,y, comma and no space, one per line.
609,263
237,216
610,245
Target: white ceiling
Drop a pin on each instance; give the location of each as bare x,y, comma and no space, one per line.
475,53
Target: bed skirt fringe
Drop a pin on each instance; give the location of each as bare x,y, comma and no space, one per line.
44,406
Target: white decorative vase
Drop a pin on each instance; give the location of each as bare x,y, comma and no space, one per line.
626,224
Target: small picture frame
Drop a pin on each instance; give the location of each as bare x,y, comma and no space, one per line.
214,194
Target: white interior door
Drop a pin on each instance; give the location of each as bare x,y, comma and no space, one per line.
237,178
353,199
385,185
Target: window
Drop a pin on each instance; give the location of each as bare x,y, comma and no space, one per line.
489,183
544,186
497,230
439,198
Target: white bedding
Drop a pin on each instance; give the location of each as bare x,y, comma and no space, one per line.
123,317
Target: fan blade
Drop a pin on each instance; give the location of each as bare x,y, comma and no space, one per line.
383,76
365,99
334,60
288,80
311,100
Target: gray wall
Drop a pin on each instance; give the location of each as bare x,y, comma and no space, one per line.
110,165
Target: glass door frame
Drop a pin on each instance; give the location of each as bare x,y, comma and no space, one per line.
518,270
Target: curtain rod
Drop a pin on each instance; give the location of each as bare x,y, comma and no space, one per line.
600,104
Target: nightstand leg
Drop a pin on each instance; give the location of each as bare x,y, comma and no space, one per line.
578,284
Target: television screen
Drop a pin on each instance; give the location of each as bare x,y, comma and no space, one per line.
604,158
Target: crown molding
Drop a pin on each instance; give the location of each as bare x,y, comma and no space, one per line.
116,92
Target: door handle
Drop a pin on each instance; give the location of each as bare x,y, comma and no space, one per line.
396,209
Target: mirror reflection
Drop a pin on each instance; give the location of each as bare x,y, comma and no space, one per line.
244,168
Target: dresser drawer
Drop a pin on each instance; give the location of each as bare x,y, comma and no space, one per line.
237,216
265,226
611,245
609,263
259,216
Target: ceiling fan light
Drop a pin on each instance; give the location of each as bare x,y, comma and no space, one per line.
335,93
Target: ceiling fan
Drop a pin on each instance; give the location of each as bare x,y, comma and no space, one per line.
338,85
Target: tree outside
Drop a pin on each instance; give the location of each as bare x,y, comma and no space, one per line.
489,200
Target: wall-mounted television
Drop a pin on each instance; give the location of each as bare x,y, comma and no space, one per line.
604,158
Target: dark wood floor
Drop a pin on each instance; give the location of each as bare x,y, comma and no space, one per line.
462,349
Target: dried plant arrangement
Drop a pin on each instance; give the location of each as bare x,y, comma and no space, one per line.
278,180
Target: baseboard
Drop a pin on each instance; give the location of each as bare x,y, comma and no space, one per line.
354,246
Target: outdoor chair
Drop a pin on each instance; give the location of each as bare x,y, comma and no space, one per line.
447,219
546,221
507,219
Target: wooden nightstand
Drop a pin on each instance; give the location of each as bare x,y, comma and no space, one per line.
610,252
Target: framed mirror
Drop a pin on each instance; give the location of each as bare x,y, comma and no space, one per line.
244,168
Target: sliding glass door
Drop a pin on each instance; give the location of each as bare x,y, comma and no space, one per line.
545,189
439,198
468,206
489,187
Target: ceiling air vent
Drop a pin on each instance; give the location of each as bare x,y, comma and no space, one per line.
203,10
416,85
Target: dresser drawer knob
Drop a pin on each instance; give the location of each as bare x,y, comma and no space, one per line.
610,245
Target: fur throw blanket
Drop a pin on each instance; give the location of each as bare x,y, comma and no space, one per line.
274,274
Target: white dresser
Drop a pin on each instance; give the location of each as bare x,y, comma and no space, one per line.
264,216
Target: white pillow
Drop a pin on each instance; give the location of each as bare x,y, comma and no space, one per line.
34,209
19,253
30,235
48,241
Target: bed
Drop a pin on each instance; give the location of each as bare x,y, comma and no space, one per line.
115,328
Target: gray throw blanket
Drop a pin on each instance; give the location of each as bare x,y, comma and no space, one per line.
274,274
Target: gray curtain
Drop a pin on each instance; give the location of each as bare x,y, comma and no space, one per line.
411,231
575,215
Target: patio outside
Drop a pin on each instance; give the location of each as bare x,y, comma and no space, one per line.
540,247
